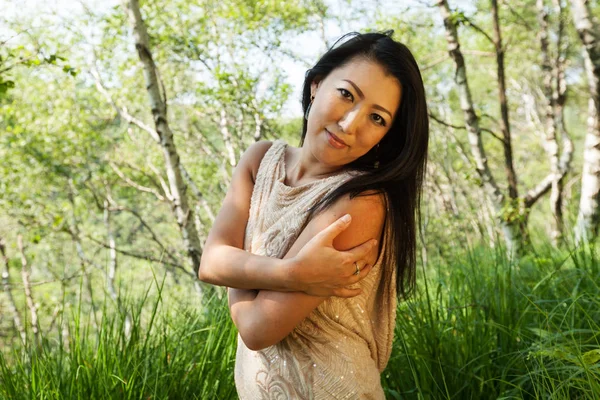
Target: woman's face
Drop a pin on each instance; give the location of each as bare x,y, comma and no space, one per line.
353,108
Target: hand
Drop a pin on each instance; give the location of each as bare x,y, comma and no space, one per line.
321,270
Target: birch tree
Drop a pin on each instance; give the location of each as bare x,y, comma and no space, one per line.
555,89
588,29
158,102
6,286
511,208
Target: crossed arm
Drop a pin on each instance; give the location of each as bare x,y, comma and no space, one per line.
320,261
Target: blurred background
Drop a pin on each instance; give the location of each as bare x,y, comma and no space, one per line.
121,124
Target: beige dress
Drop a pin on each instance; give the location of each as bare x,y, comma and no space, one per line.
340,349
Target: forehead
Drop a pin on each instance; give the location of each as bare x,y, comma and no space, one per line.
372,79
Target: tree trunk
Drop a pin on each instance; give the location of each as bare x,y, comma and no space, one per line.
8,290
554,91
511,237
589,33
112,272
511,176
76,237
512,211
28,294
561,97
178,196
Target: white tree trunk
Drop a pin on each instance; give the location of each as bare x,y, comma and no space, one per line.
112,271
178,188
8,290
589,33
28,294
554,92
511,236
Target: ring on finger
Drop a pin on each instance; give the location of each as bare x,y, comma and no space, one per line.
357,272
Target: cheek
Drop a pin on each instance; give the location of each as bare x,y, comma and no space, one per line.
371,139
329,108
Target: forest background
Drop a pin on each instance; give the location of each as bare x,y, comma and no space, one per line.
121,123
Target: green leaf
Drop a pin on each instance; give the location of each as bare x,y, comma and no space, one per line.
57,221
591,357
542,333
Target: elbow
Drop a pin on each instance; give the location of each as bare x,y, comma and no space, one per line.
254,334
252,343
256,342
202,275
204,272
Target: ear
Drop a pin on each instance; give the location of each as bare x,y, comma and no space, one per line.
314,87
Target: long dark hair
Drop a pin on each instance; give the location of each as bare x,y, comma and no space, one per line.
402,153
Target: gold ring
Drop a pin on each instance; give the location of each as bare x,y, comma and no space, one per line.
357,269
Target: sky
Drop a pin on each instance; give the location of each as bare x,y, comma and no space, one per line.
309,45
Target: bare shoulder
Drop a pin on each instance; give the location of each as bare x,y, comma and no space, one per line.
368,211
254,155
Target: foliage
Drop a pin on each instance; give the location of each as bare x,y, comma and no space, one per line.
483,328
189,355
479,327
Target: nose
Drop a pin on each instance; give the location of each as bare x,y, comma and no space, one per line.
350,121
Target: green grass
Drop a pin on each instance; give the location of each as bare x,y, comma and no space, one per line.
187,356
479,327
482,328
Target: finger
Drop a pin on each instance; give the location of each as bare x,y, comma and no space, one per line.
363,273
347,292
362,250
335,228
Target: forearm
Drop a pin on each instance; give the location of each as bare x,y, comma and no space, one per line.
241,305
229,266
263,318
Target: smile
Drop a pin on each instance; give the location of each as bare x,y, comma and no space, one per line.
335,141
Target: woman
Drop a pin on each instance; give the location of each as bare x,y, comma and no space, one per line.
362,158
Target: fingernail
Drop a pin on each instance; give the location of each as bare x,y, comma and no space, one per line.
346,218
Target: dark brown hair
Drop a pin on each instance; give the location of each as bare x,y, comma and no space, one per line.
402,153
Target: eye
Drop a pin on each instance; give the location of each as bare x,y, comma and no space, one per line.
378,119
346,94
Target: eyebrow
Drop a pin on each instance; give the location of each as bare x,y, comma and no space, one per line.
360,93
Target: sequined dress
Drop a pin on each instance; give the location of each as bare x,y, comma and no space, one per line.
340,349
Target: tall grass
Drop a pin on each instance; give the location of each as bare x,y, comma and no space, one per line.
480,327
484,328
189,356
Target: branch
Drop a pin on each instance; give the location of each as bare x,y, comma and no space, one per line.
478,29
462,127
122,111
542,188
197,193
479,53
142,256
435,62
115,207
39,283
135,184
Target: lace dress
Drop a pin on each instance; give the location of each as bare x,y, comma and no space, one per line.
340,349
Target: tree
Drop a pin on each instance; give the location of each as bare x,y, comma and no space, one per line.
589,213
512,209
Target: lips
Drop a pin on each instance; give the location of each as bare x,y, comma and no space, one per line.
335,141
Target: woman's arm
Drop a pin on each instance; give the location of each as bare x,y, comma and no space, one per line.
225,263
265,317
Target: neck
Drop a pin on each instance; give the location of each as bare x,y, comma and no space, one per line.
303,167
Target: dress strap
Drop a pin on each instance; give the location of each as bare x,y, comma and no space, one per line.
268,168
